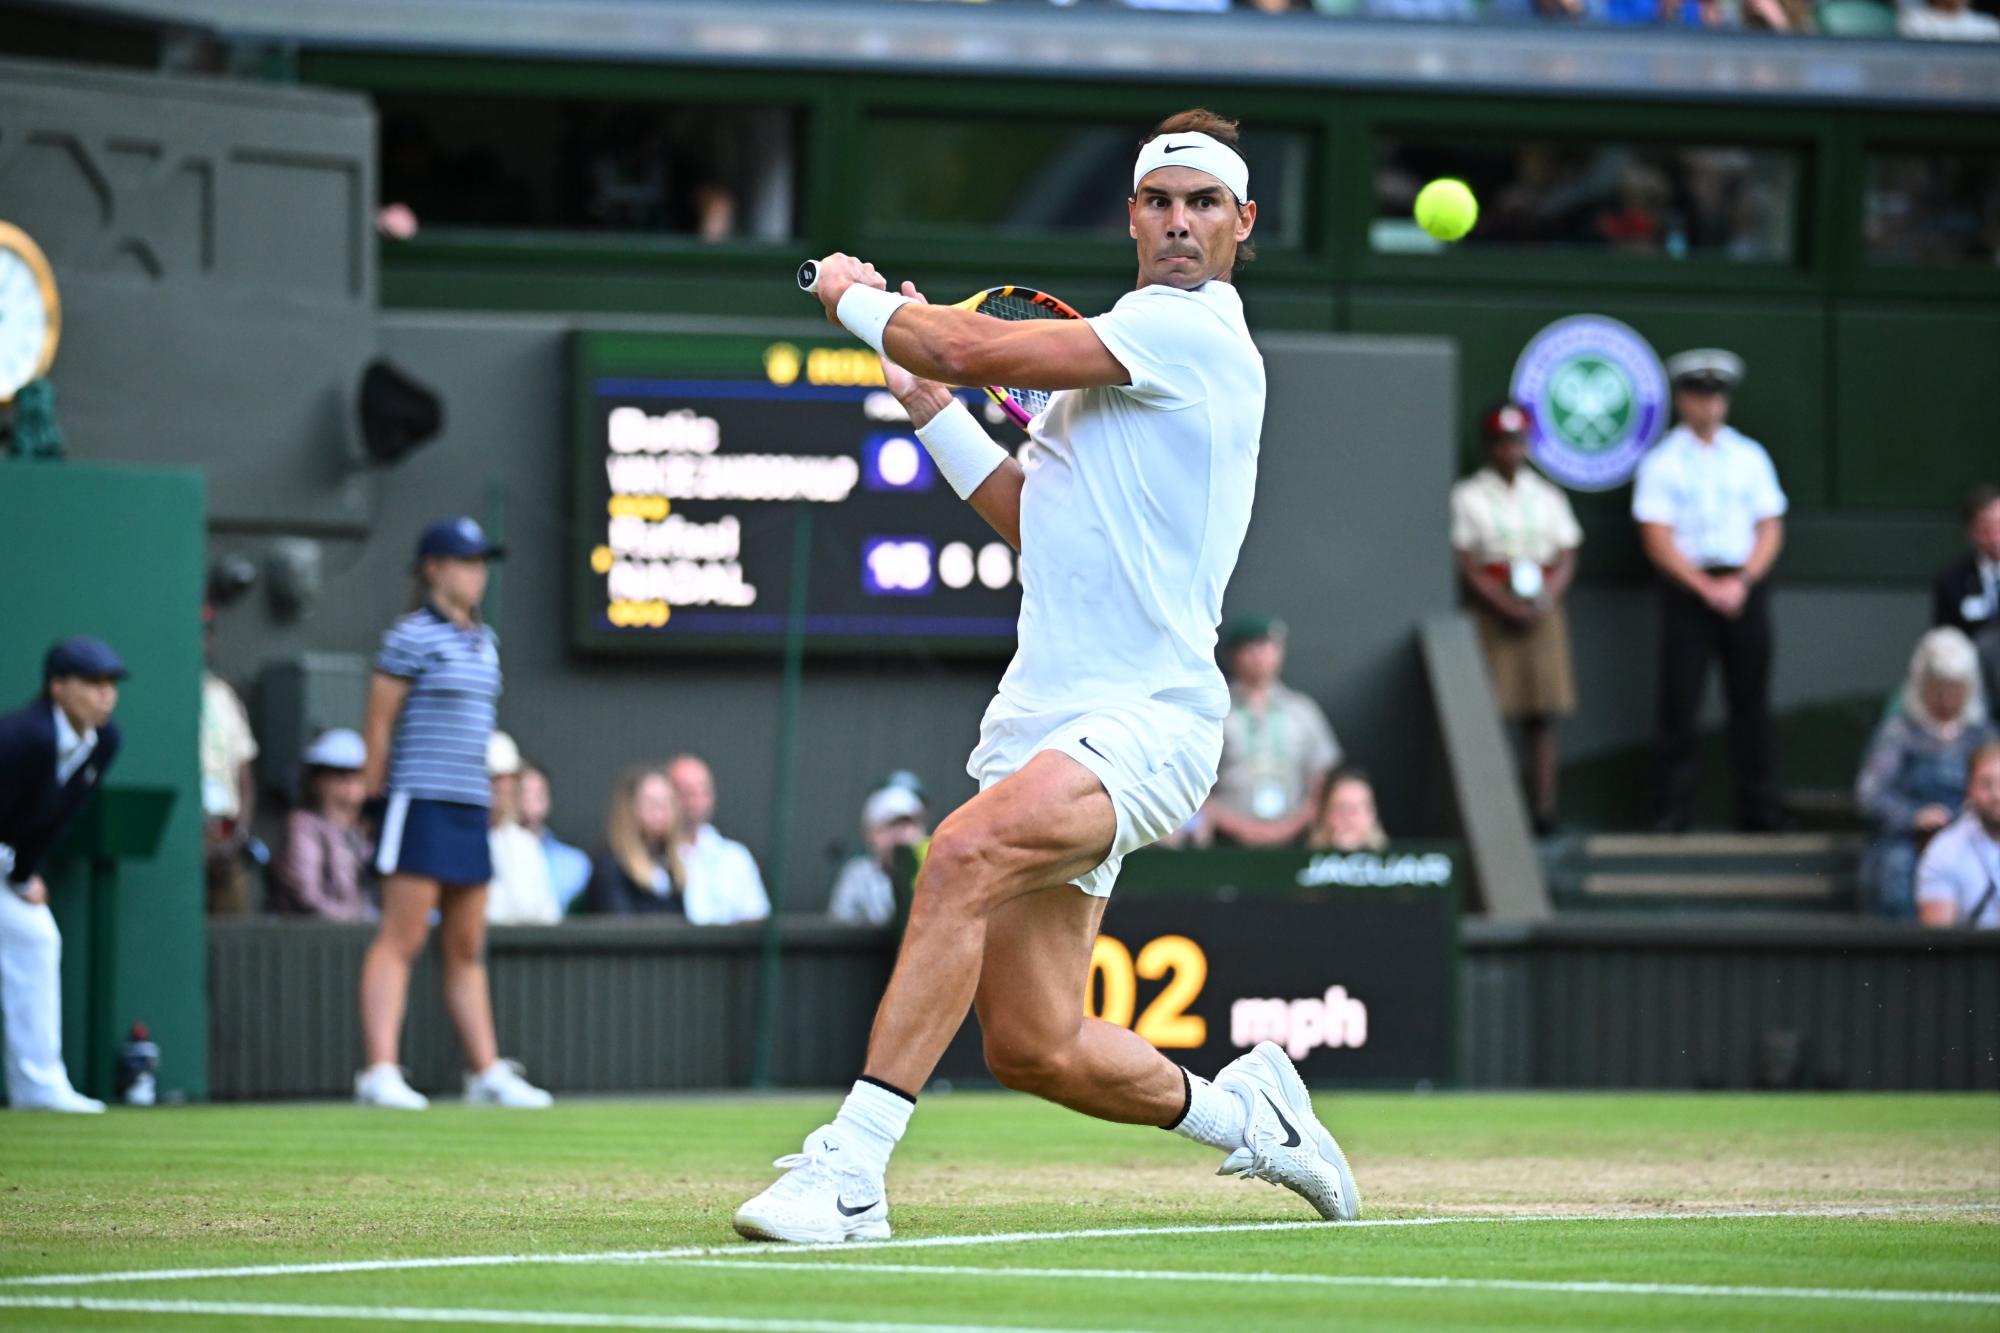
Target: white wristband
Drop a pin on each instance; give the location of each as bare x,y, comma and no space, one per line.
866,310
960,446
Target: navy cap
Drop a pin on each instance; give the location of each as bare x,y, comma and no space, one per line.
460,537
1252,628
81,655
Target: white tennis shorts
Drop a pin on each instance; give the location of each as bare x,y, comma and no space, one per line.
1156,760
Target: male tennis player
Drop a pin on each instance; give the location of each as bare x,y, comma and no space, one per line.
1129,515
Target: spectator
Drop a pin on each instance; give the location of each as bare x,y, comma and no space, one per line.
1515,538
520,893
1912,781
1347,820
430,710
1711,518
1966,595
1949,21
724,887
1958,881
53,754
893,817
1988,644
639,872
569,867
228,789
325,854
1277,747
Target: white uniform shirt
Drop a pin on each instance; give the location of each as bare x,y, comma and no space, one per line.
1959,865
723,883
1498,523
1134,510
520,892
71,748
1711,495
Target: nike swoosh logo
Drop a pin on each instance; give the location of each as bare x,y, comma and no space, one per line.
1084,741
1180,148
845,1211
1291,1135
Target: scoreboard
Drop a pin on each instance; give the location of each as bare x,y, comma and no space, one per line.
718,477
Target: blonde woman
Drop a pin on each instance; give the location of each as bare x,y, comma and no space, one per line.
431,705
1912,781
640,871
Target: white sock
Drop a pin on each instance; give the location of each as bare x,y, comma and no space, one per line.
873,1120
1215,1116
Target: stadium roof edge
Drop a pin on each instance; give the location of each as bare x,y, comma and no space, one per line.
1117,45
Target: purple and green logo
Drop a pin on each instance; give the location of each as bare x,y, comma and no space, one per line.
1598,396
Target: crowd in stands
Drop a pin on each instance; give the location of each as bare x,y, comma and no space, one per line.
1949,20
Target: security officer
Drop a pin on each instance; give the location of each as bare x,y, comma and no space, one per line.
53,754
1711,517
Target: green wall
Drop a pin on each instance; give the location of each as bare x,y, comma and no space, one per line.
118,553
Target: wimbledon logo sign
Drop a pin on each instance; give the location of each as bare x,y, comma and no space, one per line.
1598,396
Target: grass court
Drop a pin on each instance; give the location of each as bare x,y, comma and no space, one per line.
1489,1211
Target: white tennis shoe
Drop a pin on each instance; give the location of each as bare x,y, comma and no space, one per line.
501,1084
819,1198
383,1085
1284,1141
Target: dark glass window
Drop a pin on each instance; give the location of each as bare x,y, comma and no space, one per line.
1670,201
566,164
1037,177
1934,208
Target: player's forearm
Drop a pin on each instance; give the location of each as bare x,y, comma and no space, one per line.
998,501
935,342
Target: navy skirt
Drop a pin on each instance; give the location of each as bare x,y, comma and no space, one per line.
440,840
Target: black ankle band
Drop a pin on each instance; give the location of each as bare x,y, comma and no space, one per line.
890,1087
1187,1101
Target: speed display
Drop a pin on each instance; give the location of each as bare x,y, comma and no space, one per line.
701,463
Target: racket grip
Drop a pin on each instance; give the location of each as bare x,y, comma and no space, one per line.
809,276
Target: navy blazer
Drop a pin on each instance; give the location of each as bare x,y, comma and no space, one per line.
33,809
1949,592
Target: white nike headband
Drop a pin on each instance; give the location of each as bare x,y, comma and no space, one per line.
1194,149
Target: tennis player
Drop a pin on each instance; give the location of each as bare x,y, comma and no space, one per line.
1129,514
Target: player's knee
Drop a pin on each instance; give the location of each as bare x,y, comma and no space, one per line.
462,948
961,868
403,940
1024,1064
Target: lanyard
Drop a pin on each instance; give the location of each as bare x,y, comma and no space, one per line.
1272,724
1502,529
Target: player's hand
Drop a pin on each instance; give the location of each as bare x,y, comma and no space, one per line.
37,893
838,272
1930,819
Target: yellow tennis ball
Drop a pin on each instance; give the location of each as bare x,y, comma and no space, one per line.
1446,209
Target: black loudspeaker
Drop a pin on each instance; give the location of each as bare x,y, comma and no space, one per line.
397,413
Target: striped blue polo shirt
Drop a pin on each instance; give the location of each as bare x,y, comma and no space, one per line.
439,751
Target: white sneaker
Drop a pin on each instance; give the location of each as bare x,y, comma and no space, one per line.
501,1084
1284,1142
383,1085
68,1101
819,1198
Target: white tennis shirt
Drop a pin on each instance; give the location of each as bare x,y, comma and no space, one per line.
1134,509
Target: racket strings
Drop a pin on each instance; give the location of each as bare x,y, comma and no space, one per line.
1011,305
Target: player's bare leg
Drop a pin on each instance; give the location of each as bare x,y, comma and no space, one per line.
1039,1039
1047,824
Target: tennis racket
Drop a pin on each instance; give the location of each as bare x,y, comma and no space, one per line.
1020,405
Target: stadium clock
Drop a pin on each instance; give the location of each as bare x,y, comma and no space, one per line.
30,312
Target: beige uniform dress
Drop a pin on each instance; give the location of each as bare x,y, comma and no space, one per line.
1518,533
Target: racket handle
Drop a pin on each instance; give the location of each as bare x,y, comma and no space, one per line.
809,276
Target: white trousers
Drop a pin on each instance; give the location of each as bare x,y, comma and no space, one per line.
31,999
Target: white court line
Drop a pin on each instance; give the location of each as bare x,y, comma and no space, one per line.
742,1251
427,1314
1871,1294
